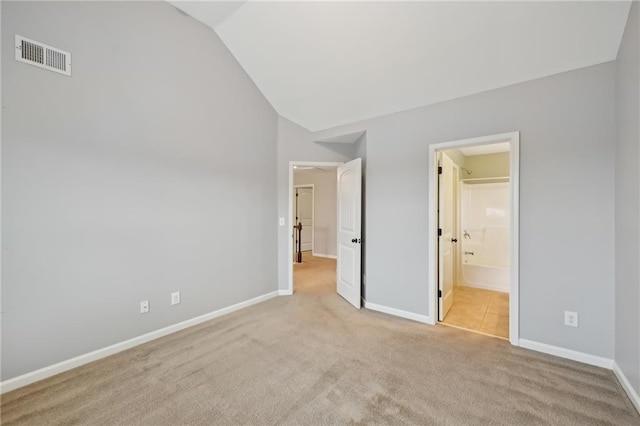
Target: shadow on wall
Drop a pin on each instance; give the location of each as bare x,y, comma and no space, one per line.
347,149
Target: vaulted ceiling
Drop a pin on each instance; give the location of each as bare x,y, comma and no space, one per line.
322,64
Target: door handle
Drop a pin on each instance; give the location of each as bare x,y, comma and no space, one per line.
454,240
356,240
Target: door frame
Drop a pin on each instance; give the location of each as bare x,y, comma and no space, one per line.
289,289
432,231
313,213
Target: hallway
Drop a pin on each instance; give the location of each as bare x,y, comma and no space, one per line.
314,275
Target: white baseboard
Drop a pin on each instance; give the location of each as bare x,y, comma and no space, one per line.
633,395
567,353
285,292
328,256
487,287
52,370
396,312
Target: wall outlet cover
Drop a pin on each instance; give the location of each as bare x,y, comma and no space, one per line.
144,306
175,298
570,319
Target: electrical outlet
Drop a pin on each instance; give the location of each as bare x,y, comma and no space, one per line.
175,298
571,318
144,306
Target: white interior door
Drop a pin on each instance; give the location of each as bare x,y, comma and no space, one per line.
446,228
304,215
349,227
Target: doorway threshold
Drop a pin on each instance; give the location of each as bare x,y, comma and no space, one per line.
473,331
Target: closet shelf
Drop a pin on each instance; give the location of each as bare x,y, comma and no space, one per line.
497,179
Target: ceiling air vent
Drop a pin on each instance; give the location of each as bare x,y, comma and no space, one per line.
43,56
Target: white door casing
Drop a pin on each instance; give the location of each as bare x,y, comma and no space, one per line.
304,215
291,218
514,167
349,231
446,225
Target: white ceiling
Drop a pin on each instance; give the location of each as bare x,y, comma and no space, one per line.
322,64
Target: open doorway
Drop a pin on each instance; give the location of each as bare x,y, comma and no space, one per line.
303,213
335,254
474,239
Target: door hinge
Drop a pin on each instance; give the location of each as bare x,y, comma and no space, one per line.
439,232
439,170
439,293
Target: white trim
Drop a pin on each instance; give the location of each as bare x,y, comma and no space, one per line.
397,312
328,256
285,292
43,373
290,213
514,258
624,382
485,287
567,353
514,165
313,212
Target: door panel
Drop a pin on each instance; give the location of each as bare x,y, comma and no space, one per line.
446,223
349,228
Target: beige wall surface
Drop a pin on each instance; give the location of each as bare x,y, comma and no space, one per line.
324,205
486,166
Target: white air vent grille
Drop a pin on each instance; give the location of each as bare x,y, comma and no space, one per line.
43,56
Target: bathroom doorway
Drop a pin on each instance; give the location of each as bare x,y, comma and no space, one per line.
474,226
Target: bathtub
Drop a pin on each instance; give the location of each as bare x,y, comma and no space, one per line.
482,270
487,277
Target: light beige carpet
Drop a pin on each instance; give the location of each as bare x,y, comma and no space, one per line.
311,358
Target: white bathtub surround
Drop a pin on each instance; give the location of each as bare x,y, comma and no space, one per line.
486,277
485,235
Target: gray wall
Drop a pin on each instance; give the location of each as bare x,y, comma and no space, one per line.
627,218
128,180
567,131
325,213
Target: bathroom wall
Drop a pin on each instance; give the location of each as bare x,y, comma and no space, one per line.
488,165
457,157
485,217
480,166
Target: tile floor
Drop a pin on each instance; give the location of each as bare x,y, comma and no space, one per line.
480,310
